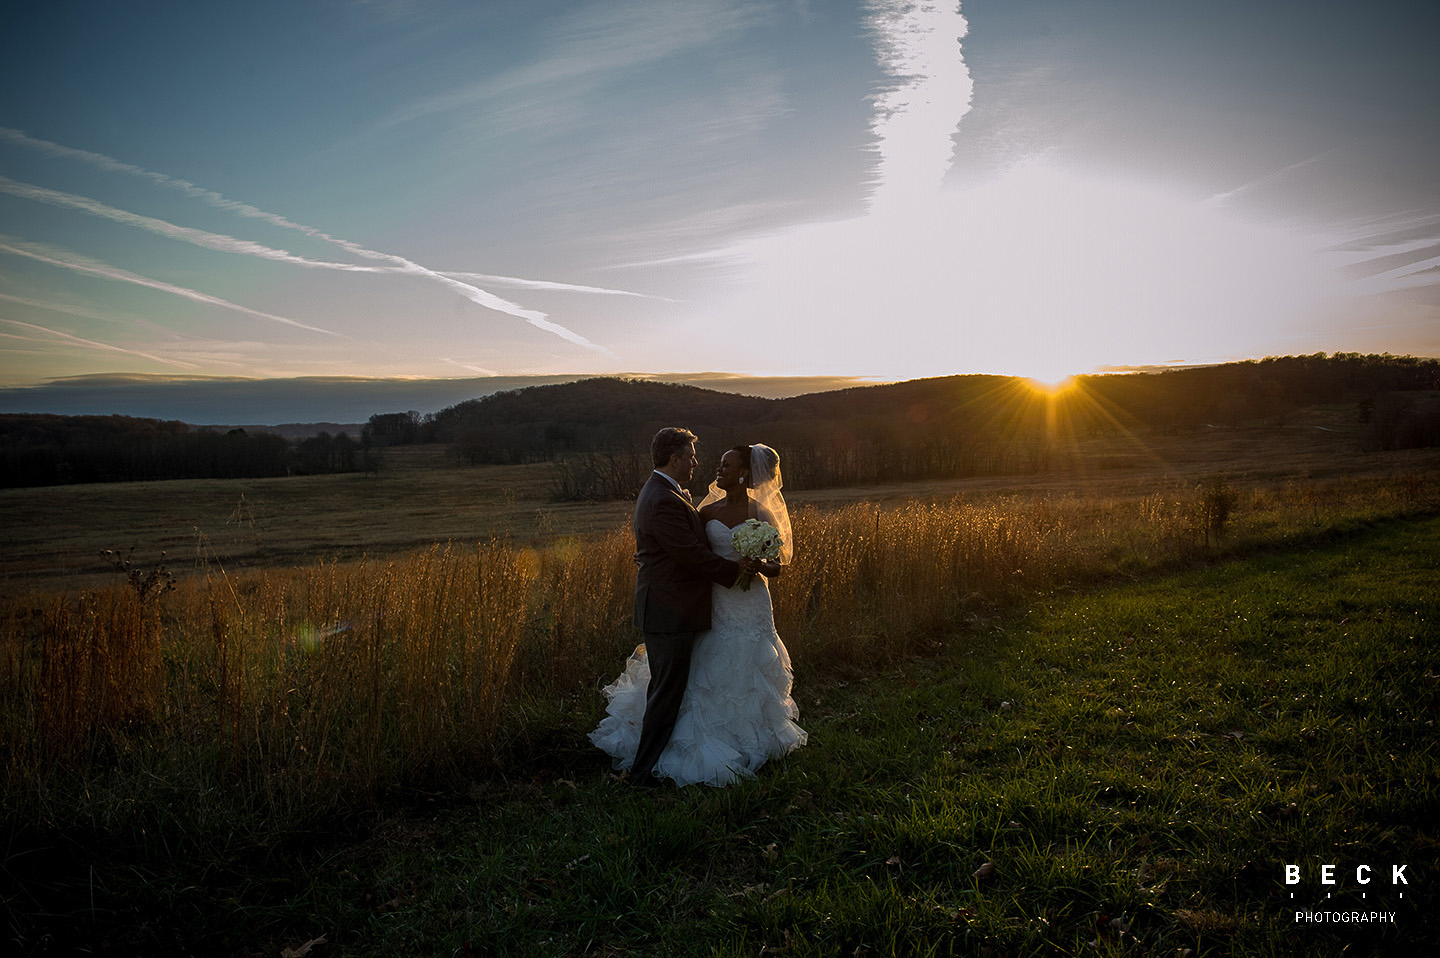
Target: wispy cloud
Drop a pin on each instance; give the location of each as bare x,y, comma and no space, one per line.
197,353
395,263
92,344
185,234
586,50
1409,275
64,259
1392,253
65,308
231,244
539,284
481,370
1267,179
918,45
210,197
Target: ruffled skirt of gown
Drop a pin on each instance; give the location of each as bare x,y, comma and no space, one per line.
737,711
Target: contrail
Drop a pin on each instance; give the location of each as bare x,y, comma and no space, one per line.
474,369
186,234
111,165
96,345
1401,252
1220,198
230,244
918,45
59,258
399,263
58,308
1425,272
549,285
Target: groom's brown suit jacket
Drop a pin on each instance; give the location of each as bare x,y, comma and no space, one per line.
672,586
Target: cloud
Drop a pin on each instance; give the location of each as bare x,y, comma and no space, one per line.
481,370
185,234
1413,275
918,45
79,311
584,51
230,244
92,344
209,197
538,284
1034,271
1393,254
80,264
1039,272
395,263
1267,179
607,120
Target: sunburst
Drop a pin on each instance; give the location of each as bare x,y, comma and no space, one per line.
1055,420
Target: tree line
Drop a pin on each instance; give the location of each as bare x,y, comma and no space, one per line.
596,431
44,450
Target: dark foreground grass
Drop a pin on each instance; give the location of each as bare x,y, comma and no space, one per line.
1125,771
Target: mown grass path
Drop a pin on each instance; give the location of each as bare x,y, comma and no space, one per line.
1121,771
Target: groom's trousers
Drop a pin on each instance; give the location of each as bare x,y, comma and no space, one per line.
668,654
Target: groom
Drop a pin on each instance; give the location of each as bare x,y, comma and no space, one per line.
672,589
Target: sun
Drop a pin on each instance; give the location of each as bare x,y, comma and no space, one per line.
1049,386
1038,272
1047,367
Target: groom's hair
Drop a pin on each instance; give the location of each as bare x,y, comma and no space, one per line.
668,442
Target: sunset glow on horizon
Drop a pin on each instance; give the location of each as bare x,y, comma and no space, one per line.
1051,387
878,189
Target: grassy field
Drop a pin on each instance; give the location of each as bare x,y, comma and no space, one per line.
53,536
1130,768
1103,705
1118,770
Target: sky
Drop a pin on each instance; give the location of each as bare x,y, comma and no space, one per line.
881,190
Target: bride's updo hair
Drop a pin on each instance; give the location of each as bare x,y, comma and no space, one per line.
744,451
764,464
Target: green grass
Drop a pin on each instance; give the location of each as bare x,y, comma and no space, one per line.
1136,763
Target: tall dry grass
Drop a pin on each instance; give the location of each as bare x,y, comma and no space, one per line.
283,694
869,581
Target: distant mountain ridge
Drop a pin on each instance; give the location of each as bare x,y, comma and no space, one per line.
944,427
323,399
607,412
598,430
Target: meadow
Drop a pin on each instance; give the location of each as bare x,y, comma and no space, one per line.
1044,713
54,536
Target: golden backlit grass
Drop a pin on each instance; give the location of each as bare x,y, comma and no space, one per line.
280,696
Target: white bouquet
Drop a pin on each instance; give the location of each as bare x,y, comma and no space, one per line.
755,540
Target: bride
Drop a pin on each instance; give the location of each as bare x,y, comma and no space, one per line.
737,711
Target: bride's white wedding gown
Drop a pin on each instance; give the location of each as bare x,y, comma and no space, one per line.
737,710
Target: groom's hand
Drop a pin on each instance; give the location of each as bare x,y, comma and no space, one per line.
750,566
